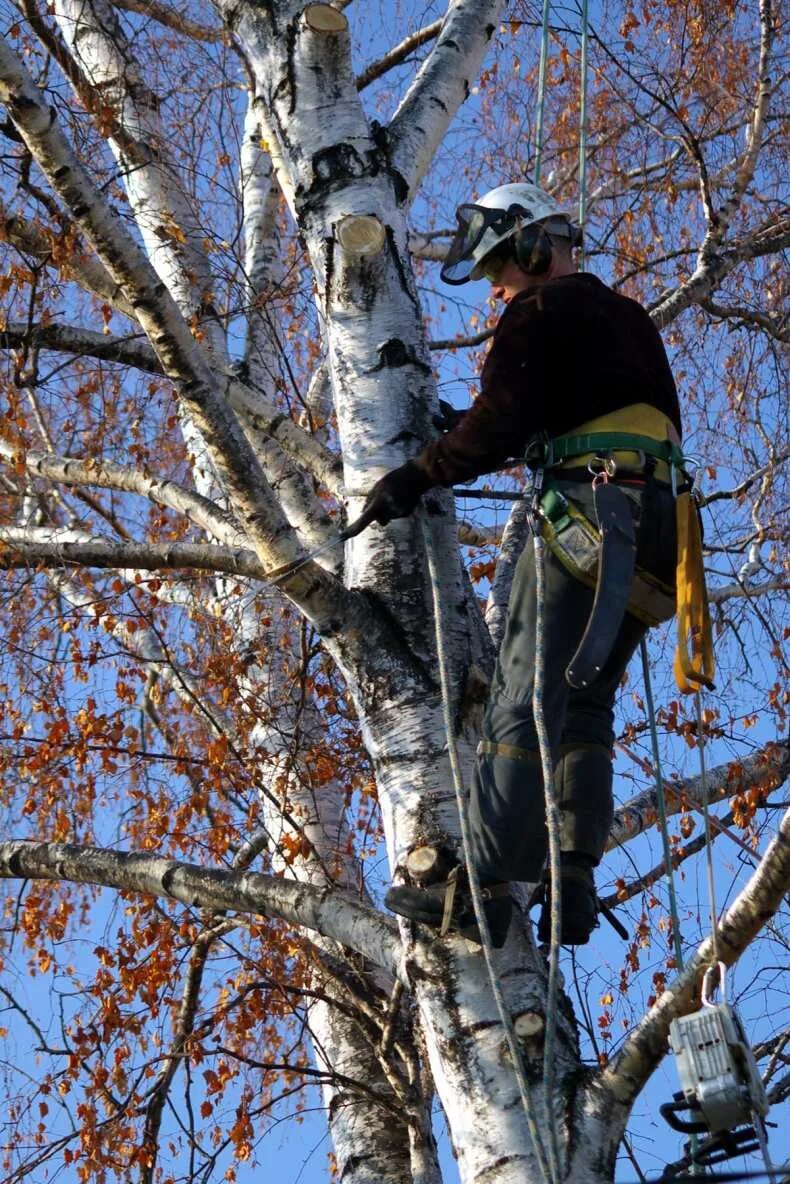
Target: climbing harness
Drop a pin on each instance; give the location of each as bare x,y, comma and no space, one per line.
602,554
721,1088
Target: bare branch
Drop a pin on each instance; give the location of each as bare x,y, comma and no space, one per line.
745,485
328,911
748,316
462,342
70,470
679,855
440,87
173,19
18,553
714,268
133,350
75,263
746,591
768,767
398,54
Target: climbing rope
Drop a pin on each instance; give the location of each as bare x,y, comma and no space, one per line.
544,54
583,129
553,829
703,777
662,806
471,872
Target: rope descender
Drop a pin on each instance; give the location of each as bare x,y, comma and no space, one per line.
721,1087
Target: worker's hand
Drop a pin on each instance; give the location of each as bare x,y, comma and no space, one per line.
448,417
395,496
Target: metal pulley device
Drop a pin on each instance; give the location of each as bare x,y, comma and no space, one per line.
721,1085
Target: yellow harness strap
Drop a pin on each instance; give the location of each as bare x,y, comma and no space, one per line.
694,630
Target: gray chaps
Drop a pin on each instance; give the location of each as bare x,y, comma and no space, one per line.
507,811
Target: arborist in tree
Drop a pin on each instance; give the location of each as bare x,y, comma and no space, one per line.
578,381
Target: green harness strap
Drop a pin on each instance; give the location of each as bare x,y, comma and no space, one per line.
563,447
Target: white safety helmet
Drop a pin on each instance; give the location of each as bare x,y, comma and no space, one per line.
496,217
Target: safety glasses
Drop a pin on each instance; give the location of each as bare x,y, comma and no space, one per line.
492,266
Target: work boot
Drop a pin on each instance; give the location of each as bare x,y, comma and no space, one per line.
447,905
579,902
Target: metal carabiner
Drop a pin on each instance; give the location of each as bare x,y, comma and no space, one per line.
607,470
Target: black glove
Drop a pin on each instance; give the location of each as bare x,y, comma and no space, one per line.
448,417
395,496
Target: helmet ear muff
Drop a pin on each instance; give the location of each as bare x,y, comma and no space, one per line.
532,249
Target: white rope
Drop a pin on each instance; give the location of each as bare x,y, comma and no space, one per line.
474,883
553,829
703,776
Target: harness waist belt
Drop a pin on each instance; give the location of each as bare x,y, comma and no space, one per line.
563,447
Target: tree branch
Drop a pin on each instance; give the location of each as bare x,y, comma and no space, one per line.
202,392
441,85
328,911
17,552
748,316
679,855
69,470
398,54
74,339
714,268
769,767
71,259
172,19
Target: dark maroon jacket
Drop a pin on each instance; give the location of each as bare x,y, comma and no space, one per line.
562,354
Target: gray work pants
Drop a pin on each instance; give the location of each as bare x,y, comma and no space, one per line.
507,811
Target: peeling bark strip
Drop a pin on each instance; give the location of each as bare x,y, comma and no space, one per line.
329,911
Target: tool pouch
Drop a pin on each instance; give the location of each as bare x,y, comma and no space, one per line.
576,543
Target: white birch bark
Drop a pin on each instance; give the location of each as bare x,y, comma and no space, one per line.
167,223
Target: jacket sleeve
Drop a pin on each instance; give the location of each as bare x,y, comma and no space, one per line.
508,409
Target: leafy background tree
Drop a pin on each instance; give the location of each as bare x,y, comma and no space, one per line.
221,323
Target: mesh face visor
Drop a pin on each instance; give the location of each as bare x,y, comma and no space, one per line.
473,222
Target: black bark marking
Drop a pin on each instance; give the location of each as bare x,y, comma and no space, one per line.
339,162
381,138
405,281
329,268
394,354
290,54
